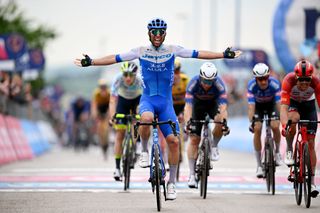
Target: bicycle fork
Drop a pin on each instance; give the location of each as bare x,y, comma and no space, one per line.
161,166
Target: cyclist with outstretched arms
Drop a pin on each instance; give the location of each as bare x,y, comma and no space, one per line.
263,93
157,63
299,91
206,93
125,96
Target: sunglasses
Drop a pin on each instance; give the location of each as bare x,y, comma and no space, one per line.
156,32
207,82
304,79
265,78
130,74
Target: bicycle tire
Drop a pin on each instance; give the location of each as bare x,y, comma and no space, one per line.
271,168
266,166
126,163
205,169
297,185
307,173
157,176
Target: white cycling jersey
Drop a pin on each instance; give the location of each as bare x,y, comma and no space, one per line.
157,66
120,88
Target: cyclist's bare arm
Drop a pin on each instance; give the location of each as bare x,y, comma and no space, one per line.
112,107
284,114
251,110
94,112
223,112
204,54
187,112
107,60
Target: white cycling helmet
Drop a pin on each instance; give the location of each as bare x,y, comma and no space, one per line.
260,70
208,71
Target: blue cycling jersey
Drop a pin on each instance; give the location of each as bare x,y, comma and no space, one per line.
78,107
271,93
157,66
217,92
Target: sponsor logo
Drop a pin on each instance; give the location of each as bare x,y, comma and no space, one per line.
156,57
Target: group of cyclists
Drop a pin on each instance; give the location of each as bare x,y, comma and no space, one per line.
150,90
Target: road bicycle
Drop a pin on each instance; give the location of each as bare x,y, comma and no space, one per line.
157,167
268,153
301,171
204,152
128,147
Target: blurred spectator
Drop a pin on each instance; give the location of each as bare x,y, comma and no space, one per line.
4,90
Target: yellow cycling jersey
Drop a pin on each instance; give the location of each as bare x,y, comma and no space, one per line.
100,97
179,89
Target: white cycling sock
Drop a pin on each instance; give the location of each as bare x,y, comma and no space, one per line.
258,157
144,144
191,166
173,173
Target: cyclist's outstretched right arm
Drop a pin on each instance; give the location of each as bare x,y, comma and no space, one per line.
109,59
87,61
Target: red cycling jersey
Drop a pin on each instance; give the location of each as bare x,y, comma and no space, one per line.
291,91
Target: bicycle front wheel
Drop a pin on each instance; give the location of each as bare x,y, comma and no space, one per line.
157,176
307,173
270,170
296,182
126,163
205,170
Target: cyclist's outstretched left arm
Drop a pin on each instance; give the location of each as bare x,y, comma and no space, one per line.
228,53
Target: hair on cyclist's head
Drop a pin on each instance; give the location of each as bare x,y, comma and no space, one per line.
177,64
157,23
260,70
129,67
102,82
303,69
208,71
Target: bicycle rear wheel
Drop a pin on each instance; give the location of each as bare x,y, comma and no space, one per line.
296,183
205,170
157,176
307,173
270,169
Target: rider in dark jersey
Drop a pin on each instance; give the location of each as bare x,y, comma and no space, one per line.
206,94
263,98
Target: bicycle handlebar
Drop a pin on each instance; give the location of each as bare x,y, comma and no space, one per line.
290,122
120,115
154,124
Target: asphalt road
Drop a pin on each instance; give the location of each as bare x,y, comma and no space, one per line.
66,181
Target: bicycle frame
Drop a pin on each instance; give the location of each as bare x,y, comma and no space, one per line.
268,150
128,147
204,152
155,179
300,171
156,143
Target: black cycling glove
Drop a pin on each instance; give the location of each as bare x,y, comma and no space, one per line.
225,128
87,61
228,53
